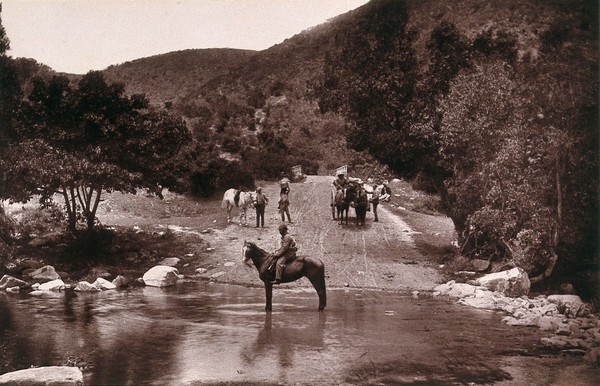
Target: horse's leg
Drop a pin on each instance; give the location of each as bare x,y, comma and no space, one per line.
317,279
242,214
268,296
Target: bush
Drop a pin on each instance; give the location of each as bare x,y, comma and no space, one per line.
40,221
7,227
220,174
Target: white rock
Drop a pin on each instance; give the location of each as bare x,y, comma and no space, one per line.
46,273
570,305
54,285
513,283
51,375
161,276
84,286
103,284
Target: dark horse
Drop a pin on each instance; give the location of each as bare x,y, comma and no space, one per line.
312,268
361,206
341,205
344,199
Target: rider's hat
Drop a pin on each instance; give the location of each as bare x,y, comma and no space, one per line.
259,189
283,226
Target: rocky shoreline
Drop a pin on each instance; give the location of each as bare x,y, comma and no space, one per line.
572,326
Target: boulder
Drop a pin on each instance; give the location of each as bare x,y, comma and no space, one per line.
54,285
103,284
45,273
480,265
455,290
514,282
8,281
84,286
570,305
120,281
161,276
38,376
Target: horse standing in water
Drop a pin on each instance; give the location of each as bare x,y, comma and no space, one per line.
237,198
311,268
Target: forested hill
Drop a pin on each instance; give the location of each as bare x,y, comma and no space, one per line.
297,62
177,75
195,74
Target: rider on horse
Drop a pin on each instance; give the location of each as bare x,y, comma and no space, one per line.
340,182
285,254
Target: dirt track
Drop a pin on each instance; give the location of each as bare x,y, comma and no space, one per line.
378,255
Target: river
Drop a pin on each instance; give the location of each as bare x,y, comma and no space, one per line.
206,333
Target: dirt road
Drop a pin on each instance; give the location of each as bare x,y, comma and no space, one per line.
380,255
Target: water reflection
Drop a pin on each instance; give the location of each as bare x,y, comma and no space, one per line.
283,342
204,333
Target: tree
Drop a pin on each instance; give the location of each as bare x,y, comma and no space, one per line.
372,81
10,89
82,141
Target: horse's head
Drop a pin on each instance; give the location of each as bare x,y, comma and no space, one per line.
248,199
351,193
249,249
246,253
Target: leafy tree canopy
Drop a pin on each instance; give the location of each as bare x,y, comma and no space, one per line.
79,141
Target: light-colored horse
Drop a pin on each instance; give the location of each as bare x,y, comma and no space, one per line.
244,201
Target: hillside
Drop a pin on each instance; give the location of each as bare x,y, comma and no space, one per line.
298,61
174,75
226,88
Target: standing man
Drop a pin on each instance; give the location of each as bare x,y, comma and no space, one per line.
375,201
284,199
386,192
284,189
285,254
261,202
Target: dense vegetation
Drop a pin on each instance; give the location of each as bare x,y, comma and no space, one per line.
489,116
492,106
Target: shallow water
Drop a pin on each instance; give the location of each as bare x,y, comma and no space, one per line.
198,332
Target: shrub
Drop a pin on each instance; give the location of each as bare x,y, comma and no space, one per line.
40,221
220,174
7,227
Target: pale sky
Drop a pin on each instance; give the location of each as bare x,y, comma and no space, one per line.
77,36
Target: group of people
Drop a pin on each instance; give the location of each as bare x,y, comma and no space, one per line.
288,247
380,193
283,205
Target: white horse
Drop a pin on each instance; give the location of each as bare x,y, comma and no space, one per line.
237,198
